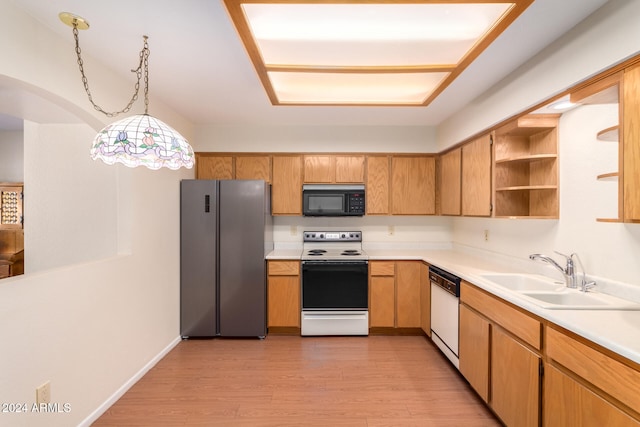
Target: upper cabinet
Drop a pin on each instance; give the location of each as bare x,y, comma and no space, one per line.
286,188
329,168
236,166
413,185
476,176
631,143
465,179
450,182
210,166
377,184
526,167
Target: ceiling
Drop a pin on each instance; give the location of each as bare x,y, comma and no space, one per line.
199,67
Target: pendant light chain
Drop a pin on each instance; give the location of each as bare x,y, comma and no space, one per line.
144,62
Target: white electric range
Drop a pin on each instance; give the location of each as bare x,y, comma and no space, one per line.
335,284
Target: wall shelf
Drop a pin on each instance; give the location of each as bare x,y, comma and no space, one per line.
609,134
526,168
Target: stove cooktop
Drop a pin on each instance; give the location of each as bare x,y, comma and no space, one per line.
329,245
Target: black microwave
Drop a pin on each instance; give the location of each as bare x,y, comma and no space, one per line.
333,200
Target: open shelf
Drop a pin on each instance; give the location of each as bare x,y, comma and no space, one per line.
611,176
527,158
526,167
528,187
609,134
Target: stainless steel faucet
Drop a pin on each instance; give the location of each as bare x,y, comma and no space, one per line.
568,272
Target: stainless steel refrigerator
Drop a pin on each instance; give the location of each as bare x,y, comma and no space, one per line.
225,232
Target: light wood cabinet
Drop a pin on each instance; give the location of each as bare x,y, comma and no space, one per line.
413,185
474,350
476,176
286,190
526,167
377,185
515,381
382,286
425,299
613,378
631,144
568,403
214,166
283,294
340,169
253,167
450,182
394,294
233,166
500,355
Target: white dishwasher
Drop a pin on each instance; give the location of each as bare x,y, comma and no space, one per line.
445,306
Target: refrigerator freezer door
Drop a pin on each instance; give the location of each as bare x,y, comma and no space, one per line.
198,258
242,264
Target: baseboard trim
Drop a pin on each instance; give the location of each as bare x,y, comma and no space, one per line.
127,385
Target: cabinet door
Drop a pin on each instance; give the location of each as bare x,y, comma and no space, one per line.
568,403
284,301
413,185
377,185
631,143
476,177
425,299
408,294
349,169
450,178
319,169
214,167
474,350
286,190
515,381
253,167
382,302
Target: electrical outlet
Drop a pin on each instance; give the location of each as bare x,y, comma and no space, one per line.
43,393
392,230
486,235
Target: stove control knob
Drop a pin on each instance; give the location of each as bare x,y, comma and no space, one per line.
343,235
322,236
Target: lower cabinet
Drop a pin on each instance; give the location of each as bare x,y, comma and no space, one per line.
283,294
569,403
587,387
394,294
499,356
515,381
425,299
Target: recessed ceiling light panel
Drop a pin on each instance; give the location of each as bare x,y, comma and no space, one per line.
400,41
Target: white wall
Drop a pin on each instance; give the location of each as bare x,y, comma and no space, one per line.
101,299
407,139
607,37
11,156
608,250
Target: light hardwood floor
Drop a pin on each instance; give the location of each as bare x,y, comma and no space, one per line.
301,381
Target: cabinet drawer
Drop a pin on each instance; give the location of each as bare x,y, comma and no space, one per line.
615,378
284,268
382,268
515,321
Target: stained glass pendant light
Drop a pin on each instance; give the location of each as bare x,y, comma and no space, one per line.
139,140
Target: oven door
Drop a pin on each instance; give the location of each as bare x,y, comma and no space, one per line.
335,285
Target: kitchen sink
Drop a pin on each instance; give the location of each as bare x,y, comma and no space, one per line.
523,282
572,299
554,295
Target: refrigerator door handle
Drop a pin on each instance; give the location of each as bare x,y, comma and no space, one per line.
207,200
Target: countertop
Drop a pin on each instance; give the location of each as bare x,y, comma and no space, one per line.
616,330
